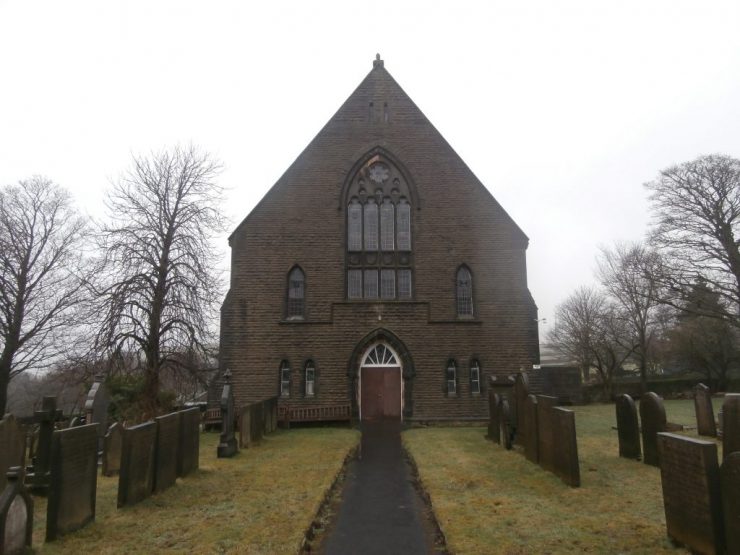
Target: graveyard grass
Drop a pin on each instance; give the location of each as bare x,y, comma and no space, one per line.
489,500
260,501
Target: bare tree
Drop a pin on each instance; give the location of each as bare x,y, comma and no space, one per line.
162,285
591,331
628,272
696,207
41,276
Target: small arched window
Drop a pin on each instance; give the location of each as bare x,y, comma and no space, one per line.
475,377
309,379
451,378
296,294
464,292
284,379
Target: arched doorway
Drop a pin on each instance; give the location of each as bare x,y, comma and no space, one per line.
381,384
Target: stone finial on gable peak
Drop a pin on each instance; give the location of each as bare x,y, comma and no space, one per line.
377,62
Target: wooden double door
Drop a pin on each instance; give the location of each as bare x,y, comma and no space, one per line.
381,393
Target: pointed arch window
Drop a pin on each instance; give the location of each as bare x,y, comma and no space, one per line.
284,379
354,226
296,305
464,292
309,379
475,377
451,378
386,225
404,226
371,225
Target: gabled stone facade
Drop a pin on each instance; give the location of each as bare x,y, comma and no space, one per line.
304,283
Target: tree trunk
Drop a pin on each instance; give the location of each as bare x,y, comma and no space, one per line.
4,381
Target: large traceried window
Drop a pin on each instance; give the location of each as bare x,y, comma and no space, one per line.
379,251
464,292
296,306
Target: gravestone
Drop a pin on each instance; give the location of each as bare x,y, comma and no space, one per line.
165,460
255,423
705,425
12,447
45,418
16,514
689,475
531,436
227,446
189,447
74,477
112,447
494,426
96,407
504,419
730,486
136,481
521,390
546,444
628,428
565,459
730,424
271,415
245,427
652,416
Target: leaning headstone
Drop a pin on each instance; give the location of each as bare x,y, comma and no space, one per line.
494,426
16,514
227,446
74,478
652,416
96,407
165,460
565,460
689,474
112,446
521,390
705,424
628,428
45,418
245,427
137,464
504,419
730,486
730,424
189,447
12,447
531,436
546,444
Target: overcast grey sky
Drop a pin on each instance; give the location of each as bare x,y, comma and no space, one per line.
562,109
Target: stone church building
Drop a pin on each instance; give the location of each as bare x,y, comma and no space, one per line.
378,275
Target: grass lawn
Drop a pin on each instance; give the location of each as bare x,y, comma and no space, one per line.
260,501
489,500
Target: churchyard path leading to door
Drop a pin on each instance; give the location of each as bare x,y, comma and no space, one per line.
381,512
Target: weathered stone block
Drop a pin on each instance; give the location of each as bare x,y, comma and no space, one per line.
652,416
12,447
189,447
565,459
705,424
531,435
165,460
112,447
689,474
494,426
628,428
730,486
136,481
546,444
730,424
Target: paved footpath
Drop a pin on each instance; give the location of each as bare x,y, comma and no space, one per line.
380,511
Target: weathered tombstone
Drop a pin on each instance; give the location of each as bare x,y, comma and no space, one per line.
112,446
12,447
705,424
531,436
494,426
255,423
137,463
16,514
546,444
689,474
628,428
245,427
730,487
504,419
227,446
45,418
74,478
730,424
521,390
96,407
566,454
165,460
189,447
652,416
